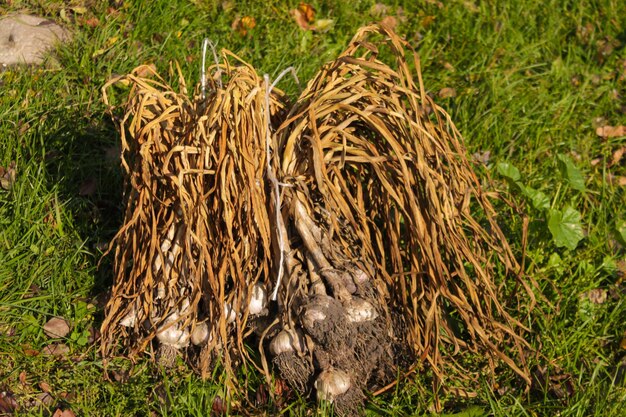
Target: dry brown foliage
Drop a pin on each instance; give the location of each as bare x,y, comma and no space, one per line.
385,230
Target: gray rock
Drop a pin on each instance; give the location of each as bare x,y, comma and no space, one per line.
25,38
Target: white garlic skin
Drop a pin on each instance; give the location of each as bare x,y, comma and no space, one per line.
359,310
258,299
129,319
287,341
171,334
332,383
200,334
230,313
315,311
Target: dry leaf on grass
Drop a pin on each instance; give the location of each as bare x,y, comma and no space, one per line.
56,327
389,21
596,296
63,413
304,15
7,176
447,92
8,404
56,349
244,24
611,131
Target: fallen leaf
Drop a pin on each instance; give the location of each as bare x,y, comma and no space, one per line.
56,349
7,176
482,157
307,11
379,10
622,343
44,398
447,92
63,413
449,66
218,408
56,327
143,72
617,155
596,296
300,19
22,378
390,22
596,161
8,404
45,387
88,187
244,24
92,22
611,131
556,382
618,180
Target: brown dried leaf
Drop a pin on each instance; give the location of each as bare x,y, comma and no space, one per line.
617,155
482,157
617,180
8,404
22,378
63,413
447,92
44,398
307,11
611,131
7,176
300,19
244,24
92,22
389,21
45,387
596,296
219,407
143,71
56,327
56,349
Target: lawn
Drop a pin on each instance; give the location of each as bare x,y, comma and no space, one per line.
533,86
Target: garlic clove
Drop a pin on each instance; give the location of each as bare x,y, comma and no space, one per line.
359,310
200,334
332,383
230,313
129,319
258,299
287,341
173,336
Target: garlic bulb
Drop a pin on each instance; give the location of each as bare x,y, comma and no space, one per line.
359,310
332,383
360,277
230,313
200,334
287,341
129,319
315,311
258,299
171,334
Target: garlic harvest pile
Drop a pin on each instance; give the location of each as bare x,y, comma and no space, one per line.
360,192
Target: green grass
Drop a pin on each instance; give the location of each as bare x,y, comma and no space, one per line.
532,77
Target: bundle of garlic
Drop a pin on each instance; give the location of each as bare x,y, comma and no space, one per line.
342,237
193,259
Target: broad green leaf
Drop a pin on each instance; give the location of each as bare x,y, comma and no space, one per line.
508,171
566,227
539,200
571,173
